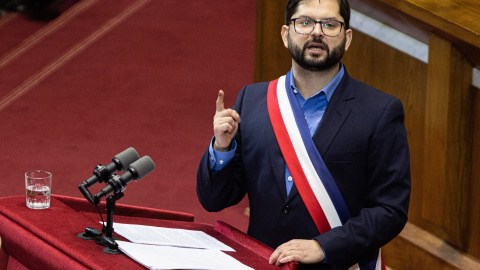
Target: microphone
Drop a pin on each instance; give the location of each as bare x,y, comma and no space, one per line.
117,183
102,173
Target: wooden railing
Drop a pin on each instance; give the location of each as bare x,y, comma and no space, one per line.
442,110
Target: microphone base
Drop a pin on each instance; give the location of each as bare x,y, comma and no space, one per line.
107,241
84,236
110,246
112,251
90,234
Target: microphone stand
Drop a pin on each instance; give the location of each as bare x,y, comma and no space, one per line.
111,247
136,171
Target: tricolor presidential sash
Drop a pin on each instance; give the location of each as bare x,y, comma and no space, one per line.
314,182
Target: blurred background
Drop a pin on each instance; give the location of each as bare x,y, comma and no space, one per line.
81,81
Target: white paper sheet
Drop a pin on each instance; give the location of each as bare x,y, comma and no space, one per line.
169,237
166,257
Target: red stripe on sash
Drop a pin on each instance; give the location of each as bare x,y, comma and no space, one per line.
383,266
291,159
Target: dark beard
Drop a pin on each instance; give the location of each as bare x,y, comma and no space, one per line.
333,57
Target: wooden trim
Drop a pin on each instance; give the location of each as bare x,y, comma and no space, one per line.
456,18
400,254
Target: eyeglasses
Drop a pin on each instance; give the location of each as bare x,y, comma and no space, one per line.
305,26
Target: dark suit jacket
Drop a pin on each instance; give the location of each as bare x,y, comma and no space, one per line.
363,142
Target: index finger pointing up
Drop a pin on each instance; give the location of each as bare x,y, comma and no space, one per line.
220,103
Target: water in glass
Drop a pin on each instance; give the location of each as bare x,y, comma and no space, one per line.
38,197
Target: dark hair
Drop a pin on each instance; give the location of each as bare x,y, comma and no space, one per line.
344,11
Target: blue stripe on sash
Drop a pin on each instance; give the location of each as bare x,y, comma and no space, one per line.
372,263
322,170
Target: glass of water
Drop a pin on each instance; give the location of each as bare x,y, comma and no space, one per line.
38,185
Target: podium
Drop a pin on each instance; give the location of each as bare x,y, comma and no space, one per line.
47,239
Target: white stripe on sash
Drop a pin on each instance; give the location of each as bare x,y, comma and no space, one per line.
378,266
313,178
355,267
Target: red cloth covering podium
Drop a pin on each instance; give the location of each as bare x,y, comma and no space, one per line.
47,239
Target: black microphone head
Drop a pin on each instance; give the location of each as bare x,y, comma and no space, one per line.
125,158
142,167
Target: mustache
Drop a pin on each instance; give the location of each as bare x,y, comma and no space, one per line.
317,40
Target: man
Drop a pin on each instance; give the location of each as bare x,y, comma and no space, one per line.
331,186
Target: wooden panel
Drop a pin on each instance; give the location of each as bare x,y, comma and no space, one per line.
437,126
272,59
448,140
474,219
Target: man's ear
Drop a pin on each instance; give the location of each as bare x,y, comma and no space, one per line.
349,35
284,34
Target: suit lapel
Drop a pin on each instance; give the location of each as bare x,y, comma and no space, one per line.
277,161
337,112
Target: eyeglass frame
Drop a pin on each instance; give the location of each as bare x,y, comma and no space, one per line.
315,24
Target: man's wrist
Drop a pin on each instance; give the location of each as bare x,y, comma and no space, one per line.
220,149
223,158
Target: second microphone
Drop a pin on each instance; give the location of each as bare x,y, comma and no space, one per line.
136,171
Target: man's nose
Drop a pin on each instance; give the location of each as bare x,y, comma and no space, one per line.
317,31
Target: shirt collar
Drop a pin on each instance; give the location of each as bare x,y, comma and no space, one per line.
328,89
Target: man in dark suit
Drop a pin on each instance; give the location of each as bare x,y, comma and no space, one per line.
357,130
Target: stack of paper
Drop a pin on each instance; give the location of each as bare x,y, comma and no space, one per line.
165,257
165,248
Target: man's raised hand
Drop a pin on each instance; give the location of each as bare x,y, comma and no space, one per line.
225,125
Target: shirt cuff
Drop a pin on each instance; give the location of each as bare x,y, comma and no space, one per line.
325,256
218,160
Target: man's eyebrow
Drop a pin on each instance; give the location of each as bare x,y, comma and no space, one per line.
322,19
